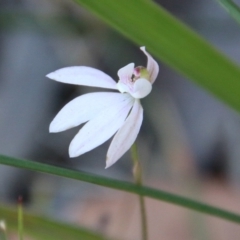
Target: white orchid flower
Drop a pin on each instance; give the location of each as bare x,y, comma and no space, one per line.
106,113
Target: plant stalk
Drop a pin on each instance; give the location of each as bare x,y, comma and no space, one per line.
137,174
20,219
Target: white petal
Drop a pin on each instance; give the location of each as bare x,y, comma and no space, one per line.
122,87
82,109
125,73
100,129
152,66
126,135
86,76
141,88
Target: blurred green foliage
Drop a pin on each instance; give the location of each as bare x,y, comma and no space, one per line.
146,23
40,228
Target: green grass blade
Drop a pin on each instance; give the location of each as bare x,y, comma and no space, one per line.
146,23
232,8
121,185
42,228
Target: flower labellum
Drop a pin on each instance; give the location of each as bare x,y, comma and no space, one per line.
106,113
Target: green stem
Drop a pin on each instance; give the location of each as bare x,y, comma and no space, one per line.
137,174
232,8
20,219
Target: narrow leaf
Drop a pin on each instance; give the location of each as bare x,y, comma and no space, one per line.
148,24
232,8
121,185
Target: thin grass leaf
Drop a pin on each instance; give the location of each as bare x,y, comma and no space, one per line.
146,23
121,185
232,8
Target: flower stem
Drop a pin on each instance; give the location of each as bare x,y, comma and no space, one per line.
20,219
137,174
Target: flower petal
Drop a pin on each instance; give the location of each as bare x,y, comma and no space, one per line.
123,88
86,76
126,135
100,129
82,109
152,66
141,88
125,73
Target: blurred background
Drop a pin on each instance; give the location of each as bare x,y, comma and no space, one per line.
189,141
